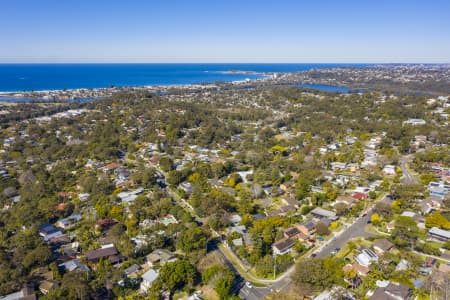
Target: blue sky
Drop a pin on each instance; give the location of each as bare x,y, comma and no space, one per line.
224,31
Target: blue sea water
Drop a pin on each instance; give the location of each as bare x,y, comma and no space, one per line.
324,87
36,77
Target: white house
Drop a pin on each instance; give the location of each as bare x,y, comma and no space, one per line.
147,280
283,246
415,122
366,257
440,234
129,196
389,170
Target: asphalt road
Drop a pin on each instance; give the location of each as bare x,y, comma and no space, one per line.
250,292
357,229
239,286
407,178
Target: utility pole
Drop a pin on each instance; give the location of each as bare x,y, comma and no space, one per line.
274,265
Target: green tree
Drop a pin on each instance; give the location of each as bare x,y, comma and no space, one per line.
375,218
193,239
322,228
320,273
175,275
437,220
405,231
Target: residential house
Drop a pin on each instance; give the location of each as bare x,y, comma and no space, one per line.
129,196
140,241
425,208
366,257
106,252
83,196
353,167
147,280
389,170
438,189
105,224
290,201
73,265
414,122
238,242
434,202
382,246
419,141
122,173
402,265
187,187
58,241
321,213
409,214
336,293
239,229
110,167
68,222
235,219
394,291
131,271
308,228
48,231
338,166
439,234
283,246
430,262
359,269
160,256
347,200
169,219
48,285
291,233
27,293
359,196
70,249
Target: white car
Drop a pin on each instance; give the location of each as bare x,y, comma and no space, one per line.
248,284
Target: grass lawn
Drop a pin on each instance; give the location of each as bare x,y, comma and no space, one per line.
435,244
209,294
180,295
236,263
371,229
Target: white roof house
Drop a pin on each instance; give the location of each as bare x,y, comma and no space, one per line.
415,122
323,213
389,170
130,196
366,257
440,234
147,279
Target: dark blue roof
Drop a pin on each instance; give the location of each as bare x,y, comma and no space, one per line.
48,228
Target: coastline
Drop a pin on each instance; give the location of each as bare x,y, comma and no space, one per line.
80,94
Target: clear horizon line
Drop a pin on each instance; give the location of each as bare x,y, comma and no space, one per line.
218,62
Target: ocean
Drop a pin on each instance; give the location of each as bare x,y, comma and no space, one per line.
37,77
